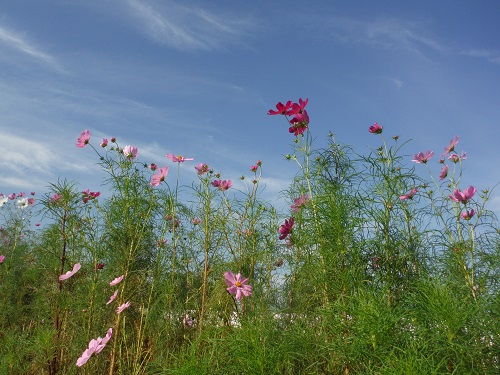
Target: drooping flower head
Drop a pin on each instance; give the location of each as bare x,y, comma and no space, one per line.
299,202
463,196
409,195
451,146
83,139
112,298
237,285
159,177
444,172
130,152
68,274
423,158
178,158
375,129
467,215
286,228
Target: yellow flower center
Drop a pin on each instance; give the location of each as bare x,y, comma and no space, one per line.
239,284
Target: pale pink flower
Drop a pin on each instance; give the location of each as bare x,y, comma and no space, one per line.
463,196
112,298
95,346
202,168
122,307
178,158
299,202
222,184
423,158
22,194
444,172
410,195
83,139
2,257
196,221
455,158
467,215
159,177
116,281
130,152
451,146
68,274
375,129
236,284
55,198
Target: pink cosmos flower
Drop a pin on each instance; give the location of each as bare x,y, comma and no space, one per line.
122,307
112,298
83,139
12,196
259,163
89,195
153,166
22,194
236,284
467,215
455,158
451,146
95,346
463,196
196,221
282,109
254,168
299,202
177,159
159,177
2,257
130,152
286,228
444,172
423,158
104,142
202,168
31,201
410,195
32,193
55,198
375,129
222,184
116,281
68,274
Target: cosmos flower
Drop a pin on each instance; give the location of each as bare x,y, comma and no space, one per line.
202,168
286,228
375,129
178,158
95,346
68,274
237,285
423,158
409,195
444,172
451,146
159,177
116,281
299,202
130,152
282,109
463,196
112,298
467,215
83,139
122,307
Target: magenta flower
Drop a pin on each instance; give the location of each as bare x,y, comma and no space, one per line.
286,228
467,215
282,109
410,195
444,172
22,194
104,142
116,281
463,196
254,168
222,184
299,202
159,177
95,346
177,159
130,152
31,201
68,274
12,196
455,158
451,146
2,257
298,107
236,284
202,168
423,158
122,307
299,123
112,298
83,139
375,129
88,195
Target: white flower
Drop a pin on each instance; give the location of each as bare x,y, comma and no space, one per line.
22,203
3,200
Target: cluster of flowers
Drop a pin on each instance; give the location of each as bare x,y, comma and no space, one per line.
22,200
300,119
449,151
286,228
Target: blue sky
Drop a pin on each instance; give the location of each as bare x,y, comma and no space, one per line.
197,78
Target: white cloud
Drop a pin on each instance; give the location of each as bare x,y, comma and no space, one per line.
492,56
186,28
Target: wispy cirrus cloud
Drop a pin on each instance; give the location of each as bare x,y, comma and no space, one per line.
17,42
492,56
186,28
